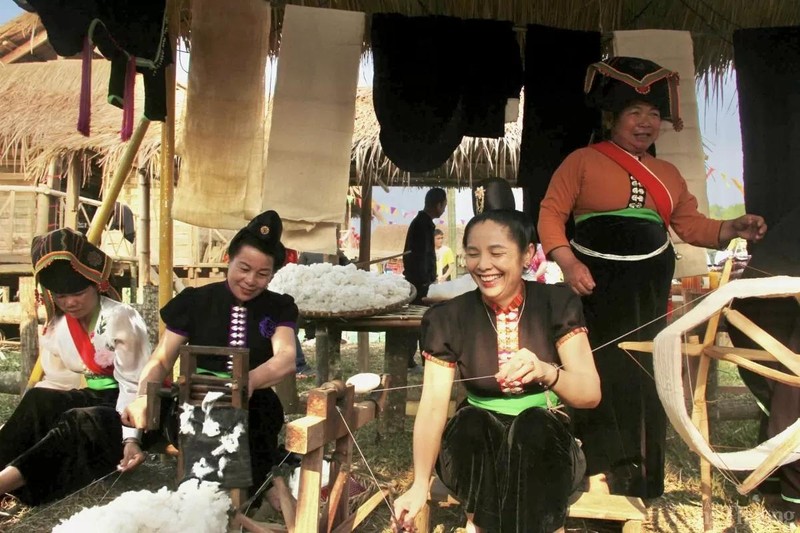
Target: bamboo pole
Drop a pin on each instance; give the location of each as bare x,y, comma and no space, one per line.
167,174
143,231
700,410
118,179
73,193
43,199
452,231
29,331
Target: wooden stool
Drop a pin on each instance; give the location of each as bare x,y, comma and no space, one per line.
590,505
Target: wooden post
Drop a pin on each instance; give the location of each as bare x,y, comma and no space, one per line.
452,231
364,251
143,231
43,200
396,365
121,173
28,328
73,193
167,174
366,224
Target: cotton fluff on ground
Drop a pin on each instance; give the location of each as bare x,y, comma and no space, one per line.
327,288
200,507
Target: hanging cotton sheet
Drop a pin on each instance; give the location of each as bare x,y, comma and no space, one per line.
311,130
222,171
674,50
668,364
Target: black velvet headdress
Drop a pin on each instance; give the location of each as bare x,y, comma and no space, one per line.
64,262
493,194
613,84
263,233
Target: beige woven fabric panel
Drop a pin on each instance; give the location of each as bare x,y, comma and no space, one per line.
222,171
674,50
311,129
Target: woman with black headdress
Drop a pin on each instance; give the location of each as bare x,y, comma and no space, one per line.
621,260
210,316
61,436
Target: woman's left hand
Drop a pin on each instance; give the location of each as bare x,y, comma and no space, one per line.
523,368
132,456
748,227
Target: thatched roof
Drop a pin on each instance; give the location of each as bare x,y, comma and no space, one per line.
39,105
475,158
712,22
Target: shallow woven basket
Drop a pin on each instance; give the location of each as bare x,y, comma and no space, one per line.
362,312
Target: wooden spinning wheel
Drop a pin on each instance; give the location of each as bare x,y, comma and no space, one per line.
668,349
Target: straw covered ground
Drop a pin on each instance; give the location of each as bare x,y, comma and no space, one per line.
390,461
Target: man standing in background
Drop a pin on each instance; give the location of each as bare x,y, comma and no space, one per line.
419,261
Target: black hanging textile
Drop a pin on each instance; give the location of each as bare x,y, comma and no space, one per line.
119,29
768,81
417,88
437,79
556,118
493,75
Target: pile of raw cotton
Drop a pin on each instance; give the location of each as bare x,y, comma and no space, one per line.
199,507
327,288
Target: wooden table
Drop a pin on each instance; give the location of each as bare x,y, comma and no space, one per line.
401,328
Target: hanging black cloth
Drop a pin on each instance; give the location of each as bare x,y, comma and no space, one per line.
493,75
437,79
556,119
417,88
768,81
120,29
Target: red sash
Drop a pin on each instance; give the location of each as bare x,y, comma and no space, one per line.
83,343
654,186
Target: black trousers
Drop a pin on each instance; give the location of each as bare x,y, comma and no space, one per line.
61,441
625,435
514,473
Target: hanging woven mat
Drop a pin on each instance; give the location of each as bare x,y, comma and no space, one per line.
362,312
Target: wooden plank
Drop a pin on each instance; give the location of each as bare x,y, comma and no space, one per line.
783,354
647,347
26,49
606,507
745,353
28,329
361,513
308,496
305,434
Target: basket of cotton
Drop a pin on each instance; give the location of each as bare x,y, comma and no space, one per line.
323,290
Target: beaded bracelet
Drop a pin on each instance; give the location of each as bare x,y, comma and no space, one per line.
553,384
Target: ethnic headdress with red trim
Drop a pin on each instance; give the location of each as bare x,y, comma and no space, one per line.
64,262
611,85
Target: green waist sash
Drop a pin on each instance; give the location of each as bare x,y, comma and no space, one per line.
101,382
513,405
645,213
214,373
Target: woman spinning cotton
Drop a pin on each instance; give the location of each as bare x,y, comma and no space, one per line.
522,349
240,312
